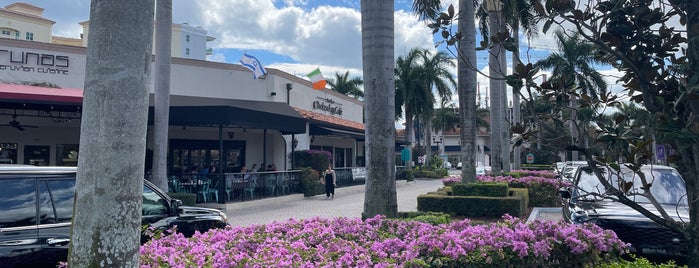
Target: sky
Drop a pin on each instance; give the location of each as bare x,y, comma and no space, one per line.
295,36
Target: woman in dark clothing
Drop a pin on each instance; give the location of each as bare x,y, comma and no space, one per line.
329,181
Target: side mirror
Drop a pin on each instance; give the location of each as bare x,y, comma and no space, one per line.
564,192
175,205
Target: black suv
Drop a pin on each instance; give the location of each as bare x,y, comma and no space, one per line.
36,207
588,202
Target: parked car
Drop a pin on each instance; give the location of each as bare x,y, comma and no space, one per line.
566,170
447,164
36,209
587,202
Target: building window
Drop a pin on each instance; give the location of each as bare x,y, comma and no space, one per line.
16,34
6,32
186,37
186,51
30,36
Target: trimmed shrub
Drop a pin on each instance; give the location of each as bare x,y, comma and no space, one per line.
188,199
543,192
310,182
472,206
434,218
480,189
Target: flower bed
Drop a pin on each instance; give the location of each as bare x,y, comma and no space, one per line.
380,242
537,173
526,181
451,180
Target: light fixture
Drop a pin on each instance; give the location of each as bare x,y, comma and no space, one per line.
231,134
273,93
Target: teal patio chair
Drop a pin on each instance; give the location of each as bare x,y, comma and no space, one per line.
282,183
270,184
252,185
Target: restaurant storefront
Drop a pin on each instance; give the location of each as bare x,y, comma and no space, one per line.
257,120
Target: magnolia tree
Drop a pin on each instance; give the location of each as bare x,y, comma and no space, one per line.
654,46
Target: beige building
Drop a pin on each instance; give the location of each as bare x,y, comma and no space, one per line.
25,22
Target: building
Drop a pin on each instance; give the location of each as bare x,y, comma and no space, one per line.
218,111
23,21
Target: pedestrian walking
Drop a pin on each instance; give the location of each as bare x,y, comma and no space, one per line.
330,182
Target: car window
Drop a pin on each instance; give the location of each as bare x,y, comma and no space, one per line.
18,203
667,185
56,200
153,204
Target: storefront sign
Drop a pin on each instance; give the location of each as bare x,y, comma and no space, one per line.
21,61
328,105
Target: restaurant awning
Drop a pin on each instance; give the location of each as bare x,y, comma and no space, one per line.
327,131
234,113
26,97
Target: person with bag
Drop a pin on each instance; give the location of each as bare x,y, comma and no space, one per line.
329,181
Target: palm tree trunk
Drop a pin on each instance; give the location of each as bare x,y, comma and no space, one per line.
467,90
428,141
161,115
497,116
410,137
516,117
574,133
109,185
377,58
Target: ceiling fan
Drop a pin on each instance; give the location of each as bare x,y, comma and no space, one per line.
16,124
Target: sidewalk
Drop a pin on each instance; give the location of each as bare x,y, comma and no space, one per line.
348,202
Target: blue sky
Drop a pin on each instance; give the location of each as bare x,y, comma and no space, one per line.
295,36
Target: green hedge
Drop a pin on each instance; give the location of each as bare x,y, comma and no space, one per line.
473,206
544,195
434,218
536,167
434,174
188,199
310,182
524,193
481,189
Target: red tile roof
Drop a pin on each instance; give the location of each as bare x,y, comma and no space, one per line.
330,119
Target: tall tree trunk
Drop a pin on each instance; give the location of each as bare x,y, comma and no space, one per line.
428,141
690,165
109,186
574,133
467,90
377,58
161,115
410,137
516,109
497,116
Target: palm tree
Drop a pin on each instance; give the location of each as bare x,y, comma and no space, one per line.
515,14
161,98
466,78
572,69
410,95
377,58
437,77
346,86
444,119
107,214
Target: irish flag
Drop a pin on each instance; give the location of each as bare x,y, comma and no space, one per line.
317,79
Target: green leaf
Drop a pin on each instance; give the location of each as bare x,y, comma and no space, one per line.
547,25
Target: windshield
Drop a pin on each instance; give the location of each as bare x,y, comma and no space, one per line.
667,185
